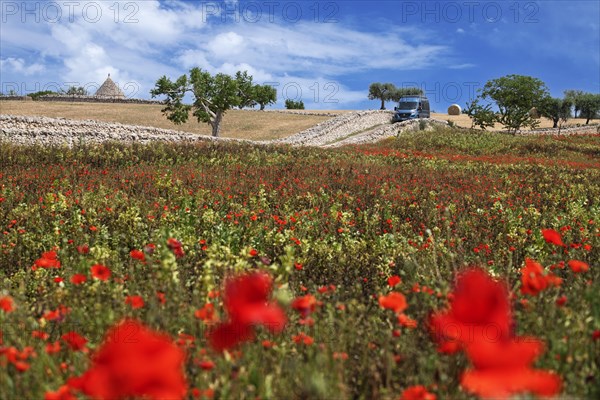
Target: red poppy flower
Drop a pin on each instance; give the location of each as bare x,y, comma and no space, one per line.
135,301
553,237
206,365
134,362
406,321
6,304
534,280
303,338
578,266
101,272
394,280
48,259
63,393
206,313
479,309
418,392
246,301
503,368
304,304
78,279
394,301
137,255
253,253
176,247
561,301
75,341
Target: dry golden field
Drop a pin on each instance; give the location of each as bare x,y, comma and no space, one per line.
236,124
465,122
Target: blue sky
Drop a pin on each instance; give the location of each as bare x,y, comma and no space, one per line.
323,52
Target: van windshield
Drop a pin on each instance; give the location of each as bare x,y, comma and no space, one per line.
408,105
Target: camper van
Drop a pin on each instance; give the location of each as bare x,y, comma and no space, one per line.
411,107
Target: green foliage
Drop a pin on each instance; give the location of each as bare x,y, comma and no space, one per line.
572,96
294,105
398,93
558,110
381,91
246,90
421,207
388,91
37,95
481,116
589,104
74,90
265,95
515,95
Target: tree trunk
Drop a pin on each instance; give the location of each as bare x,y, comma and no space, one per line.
382,104
555,123
216,124
587,121
262,107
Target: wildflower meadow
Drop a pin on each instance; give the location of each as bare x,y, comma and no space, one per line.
444,264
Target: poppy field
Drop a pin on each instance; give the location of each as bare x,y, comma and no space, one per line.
444,264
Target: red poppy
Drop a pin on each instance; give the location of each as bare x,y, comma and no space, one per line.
246,301
75,341
534,280
101,272
304,304
78,279
553,237
63,393
303,338
503,368
161,297
578,266
6,304
253,253
206,365
134,362
418,392
479,309
138,255
406,321
394,280
176,247
561,301
48,259
135,301
394,301
206,313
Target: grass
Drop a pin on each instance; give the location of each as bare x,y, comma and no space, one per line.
236,124
332,223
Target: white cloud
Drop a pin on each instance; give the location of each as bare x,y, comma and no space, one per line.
460,30
19,65
167,38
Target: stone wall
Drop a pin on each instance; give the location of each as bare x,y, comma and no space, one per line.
96,99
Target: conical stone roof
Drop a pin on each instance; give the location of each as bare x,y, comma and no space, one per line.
109,89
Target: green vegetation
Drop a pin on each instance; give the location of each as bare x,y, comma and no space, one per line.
172,221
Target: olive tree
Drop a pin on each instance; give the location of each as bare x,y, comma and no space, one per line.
265,95
212,95
381,91
589,106
555,109
514,96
